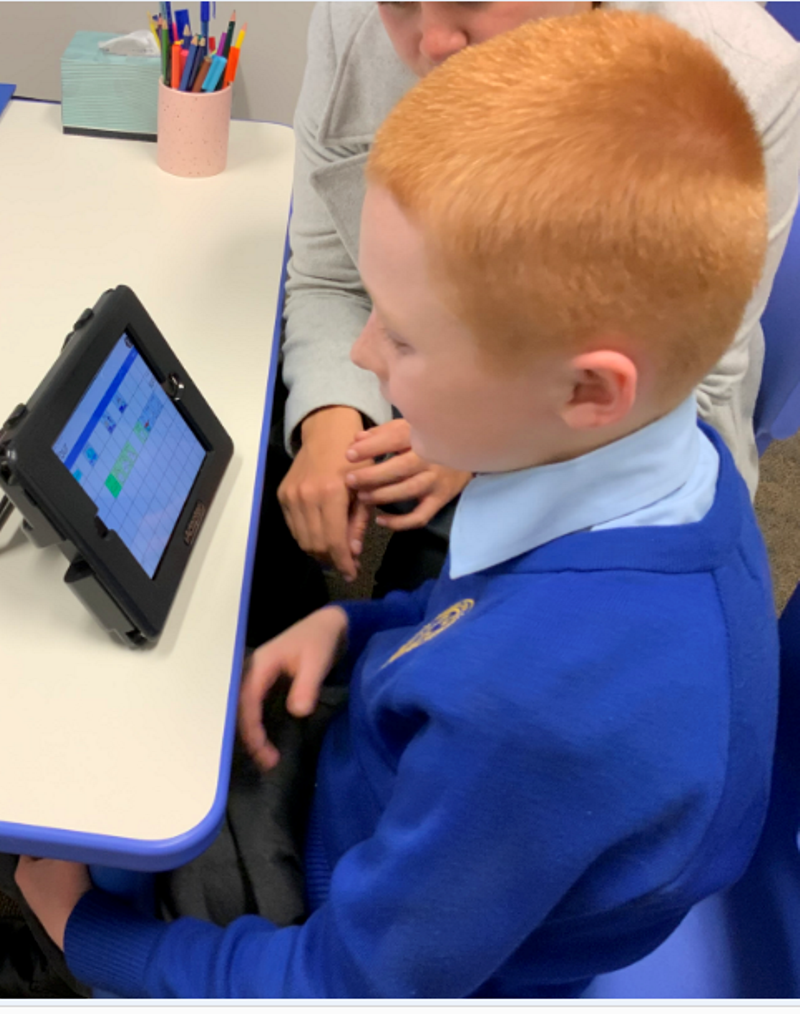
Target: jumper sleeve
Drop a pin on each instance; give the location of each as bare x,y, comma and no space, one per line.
368,617
412,910
727,396
326,305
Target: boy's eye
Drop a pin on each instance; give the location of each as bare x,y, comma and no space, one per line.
397,342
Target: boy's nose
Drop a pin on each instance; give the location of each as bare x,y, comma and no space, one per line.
440,36
364,352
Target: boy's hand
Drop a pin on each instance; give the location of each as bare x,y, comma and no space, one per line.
52,888
305,653
406,476
322,514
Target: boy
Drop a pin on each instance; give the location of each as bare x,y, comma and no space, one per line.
555,750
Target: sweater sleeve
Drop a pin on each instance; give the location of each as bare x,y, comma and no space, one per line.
326,305
439,897
368,617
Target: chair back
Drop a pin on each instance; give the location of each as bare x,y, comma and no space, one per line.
743,943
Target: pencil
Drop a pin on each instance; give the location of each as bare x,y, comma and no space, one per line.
191,55
153,30
164,51
201,74
197,63
228,37
233,58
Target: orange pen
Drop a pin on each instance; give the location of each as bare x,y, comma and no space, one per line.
175,67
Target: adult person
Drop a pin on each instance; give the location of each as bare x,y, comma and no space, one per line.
362,57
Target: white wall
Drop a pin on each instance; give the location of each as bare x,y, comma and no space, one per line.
35,34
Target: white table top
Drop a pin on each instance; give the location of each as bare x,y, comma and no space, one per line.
95,739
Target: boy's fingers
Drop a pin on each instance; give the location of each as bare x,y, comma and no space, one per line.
418,486
390,438
400,467
266,666
418,518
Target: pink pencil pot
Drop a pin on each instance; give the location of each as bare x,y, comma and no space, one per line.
193,131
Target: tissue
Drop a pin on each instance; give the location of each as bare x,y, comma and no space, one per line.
139,43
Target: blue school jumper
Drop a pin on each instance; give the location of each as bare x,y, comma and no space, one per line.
543,765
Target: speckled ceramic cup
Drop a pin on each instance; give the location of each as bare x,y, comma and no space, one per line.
193,131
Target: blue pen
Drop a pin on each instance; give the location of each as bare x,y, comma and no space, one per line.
214,73
186,77
204,17
168,15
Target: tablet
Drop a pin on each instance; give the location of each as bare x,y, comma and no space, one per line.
116,457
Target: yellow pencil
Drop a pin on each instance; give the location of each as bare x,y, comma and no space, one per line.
153,30
240,39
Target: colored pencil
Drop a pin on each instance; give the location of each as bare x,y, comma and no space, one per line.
228,37
165,54
191,55
153,30
233,58
201,74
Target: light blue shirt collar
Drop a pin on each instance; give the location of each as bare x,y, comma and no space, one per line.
663,474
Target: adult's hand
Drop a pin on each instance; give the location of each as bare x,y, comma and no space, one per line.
52,888
405,476
305,653
324,517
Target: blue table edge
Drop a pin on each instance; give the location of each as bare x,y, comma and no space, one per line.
153,855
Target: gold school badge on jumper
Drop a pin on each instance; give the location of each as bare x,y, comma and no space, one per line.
434,628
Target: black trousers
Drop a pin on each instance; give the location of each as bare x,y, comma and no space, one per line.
253,867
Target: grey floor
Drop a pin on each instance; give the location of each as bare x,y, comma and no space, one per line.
778,510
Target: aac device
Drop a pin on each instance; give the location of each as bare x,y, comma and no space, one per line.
116,458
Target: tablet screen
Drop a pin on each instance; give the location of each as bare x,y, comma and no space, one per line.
133,453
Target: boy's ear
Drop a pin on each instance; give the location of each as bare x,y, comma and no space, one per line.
603,390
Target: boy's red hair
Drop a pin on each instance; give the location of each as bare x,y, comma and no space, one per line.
581,177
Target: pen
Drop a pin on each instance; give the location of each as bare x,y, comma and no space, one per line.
205,6
214,74
175,75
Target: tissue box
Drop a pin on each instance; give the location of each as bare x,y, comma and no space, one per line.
106,95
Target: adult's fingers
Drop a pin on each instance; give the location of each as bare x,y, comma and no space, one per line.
357,526
335,530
